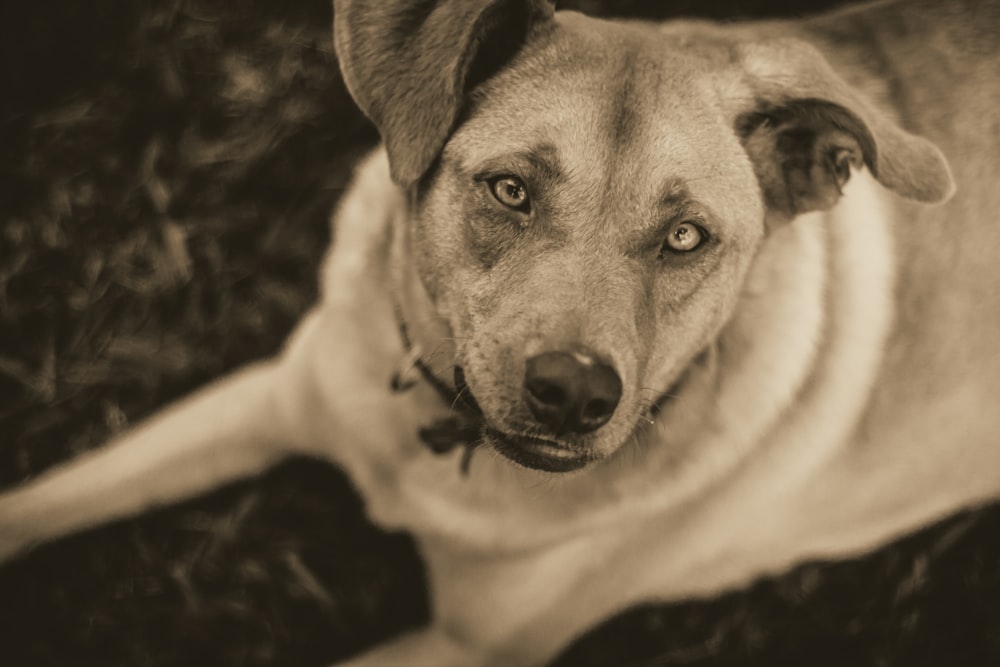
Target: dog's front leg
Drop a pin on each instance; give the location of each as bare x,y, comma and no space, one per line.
229,430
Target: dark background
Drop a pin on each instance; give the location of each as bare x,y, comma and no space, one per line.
167,169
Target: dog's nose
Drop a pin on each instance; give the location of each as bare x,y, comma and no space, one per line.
571,392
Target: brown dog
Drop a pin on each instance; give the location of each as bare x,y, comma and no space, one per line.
624,312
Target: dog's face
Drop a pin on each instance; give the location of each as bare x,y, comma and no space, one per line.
585,234
588,196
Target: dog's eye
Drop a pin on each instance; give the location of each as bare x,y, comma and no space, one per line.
685,237
511,192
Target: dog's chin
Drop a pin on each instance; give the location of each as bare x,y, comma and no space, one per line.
537,453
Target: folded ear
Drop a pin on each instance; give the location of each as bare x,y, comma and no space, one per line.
809,128
409,64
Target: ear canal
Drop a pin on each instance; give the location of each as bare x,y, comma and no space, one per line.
409,65
809,126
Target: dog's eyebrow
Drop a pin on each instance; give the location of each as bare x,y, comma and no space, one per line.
541,160
674,193
674,199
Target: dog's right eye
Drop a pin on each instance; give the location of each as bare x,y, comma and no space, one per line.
686,237
511,192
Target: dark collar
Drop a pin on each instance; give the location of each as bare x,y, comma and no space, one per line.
464,426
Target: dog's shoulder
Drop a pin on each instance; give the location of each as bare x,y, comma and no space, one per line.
362,227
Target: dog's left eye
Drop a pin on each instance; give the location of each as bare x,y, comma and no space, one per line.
511,192
685,237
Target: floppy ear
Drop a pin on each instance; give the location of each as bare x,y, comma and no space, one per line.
409,64
810,128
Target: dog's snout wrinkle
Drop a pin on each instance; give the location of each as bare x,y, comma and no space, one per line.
571,391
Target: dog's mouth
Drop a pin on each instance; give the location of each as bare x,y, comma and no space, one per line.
536,453
468,427
526,450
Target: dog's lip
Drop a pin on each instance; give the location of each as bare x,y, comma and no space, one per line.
537,453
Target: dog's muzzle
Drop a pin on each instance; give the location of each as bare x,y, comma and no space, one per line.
566,394
533,452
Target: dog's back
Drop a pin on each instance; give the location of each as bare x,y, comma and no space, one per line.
935,402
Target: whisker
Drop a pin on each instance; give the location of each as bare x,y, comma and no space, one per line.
434,352
458,397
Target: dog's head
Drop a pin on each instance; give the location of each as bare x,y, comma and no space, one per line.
588,196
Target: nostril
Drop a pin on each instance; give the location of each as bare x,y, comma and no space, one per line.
547,392
597,409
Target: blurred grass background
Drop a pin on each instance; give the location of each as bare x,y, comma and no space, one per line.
167,169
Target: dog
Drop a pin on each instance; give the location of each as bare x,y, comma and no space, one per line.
623,311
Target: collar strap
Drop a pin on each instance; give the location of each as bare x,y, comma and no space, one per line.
400,382
463,428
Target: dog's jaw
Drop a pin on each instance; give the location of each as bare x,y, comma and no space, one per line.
468,428
537,453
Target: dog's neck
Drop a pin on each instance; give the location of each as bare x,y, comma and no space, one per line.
430,353
428,334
